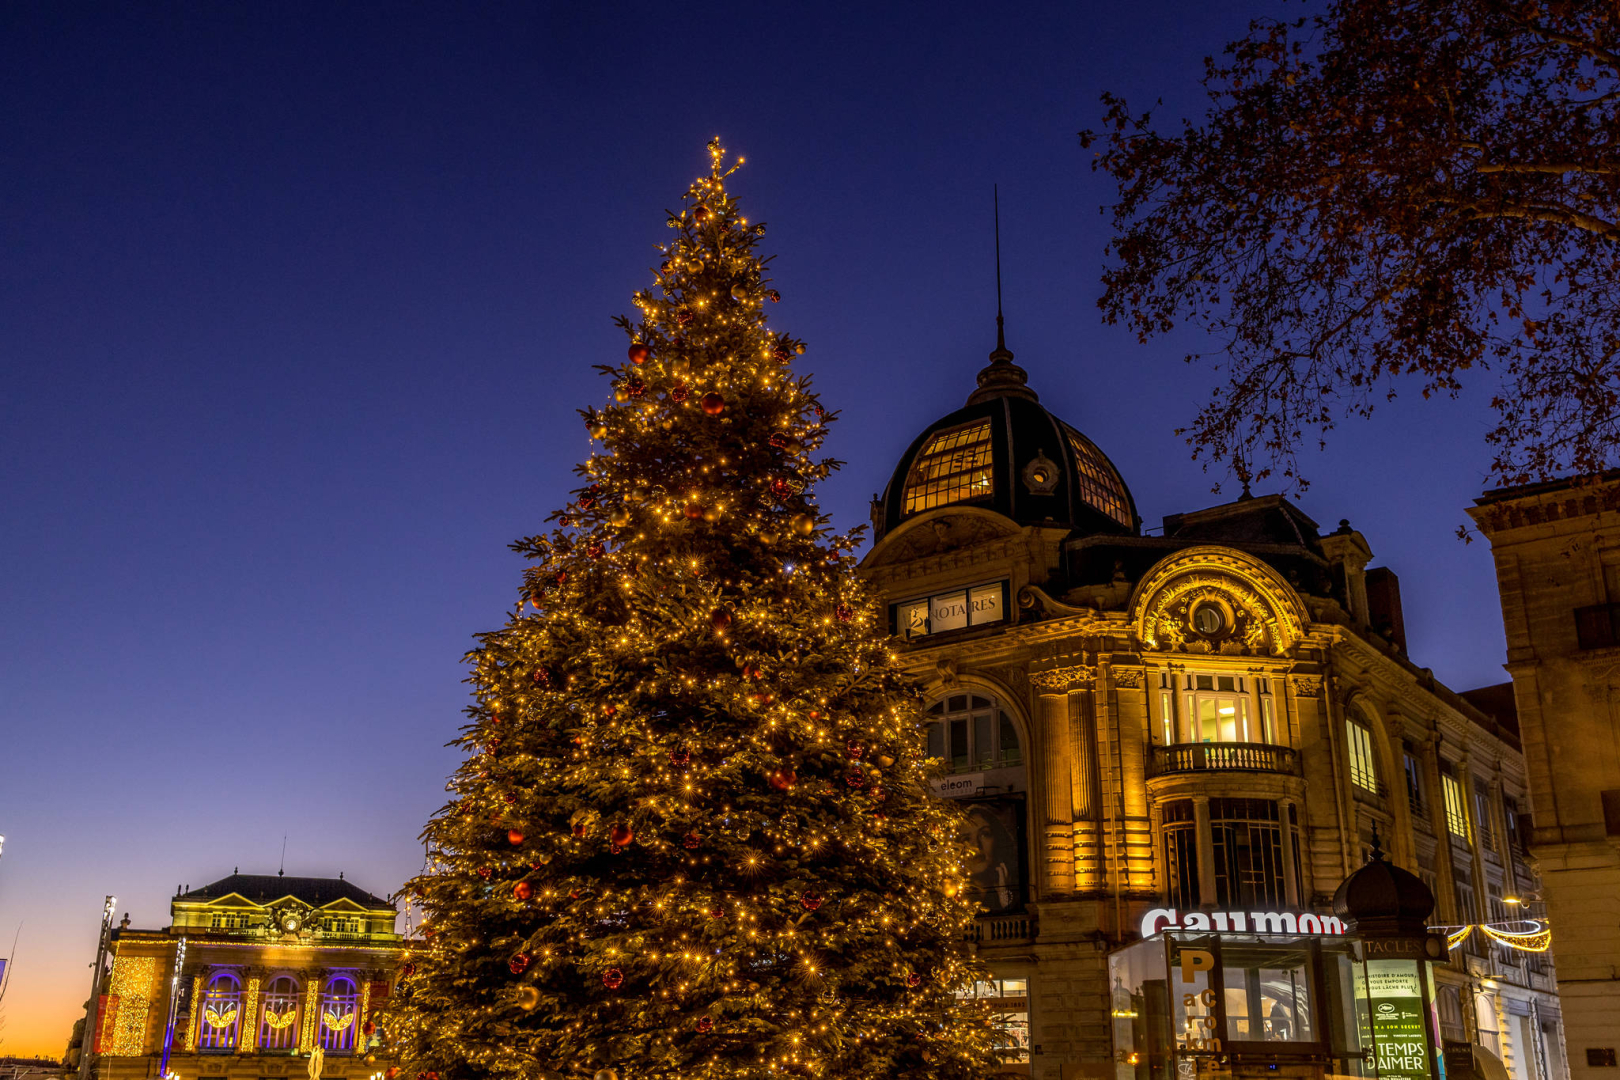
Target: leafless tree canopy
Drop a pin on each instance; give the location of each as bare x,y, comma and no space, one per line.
1388,188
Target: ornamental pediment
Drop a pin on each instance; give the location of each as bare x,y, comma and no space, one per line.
1216,601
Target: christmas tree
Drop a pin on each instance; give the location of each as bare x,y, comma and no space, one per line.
693,835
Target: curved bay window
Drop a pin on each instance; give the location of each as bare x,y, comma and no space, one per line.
1211,707
278,1030
1247,840
339,1015
970,732
220,1013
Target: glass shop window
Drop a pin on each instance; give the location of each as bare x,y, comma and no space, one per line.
1268,994
1008,1001
970,733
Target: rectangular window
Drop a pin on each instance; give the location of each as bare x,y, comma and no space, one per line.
1483,818
1363,772
1268,725
1009,1011
1167,717
1456,808
1218,710
1247,835
1180,855
956,466
1414,782
980,605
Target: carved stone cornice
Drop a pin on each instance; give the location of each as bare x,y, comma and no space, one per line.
1306,686
1126,678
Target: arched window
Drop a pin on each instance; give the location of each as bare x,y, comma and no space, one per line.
340,1014
220,1013
279,1028
970,733
1363,761
954,467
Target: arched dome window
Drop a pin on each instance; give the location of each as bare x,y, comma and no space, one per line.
278,1030
220,1013
1099,482
954,467
340,1013
971,733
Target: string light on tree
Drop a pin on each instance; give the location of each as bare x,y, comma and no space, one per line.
664,855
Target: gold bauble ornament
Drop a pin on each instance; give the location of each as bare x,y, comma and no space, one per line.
598,430
528,998
606,1074
621,395
739,291
803,524
711,515
619,518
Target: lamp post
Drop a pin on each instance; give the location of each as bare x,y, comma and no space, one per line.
1386,910
88,1044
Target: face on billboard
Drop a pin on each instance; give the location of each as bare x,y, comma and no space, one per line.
994,867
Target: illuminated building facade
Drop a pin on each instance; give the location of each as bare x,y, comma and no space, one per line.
1214,721
270,968
1557,549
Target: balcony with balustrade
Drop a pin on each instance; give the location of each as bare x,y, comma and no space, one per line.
1199,757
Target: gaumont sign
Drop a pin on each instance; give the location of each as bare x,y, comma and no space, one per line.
1241,922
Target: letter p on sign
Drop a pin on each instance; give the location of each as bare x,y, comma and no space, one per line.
1193,960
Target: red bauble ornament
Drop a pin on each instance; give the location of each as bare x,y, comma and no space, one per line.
781,354
855,751
581,829
679,757
752,672
783,779
775,297
914,979
692,841
713,403
519,963
705,1025
514,837
845,614
585,502
622,836
635,387
720,619
717,912
407,970
694,511
596,550
815,714
684,317
810,901
701,213
368,1028
523,890
639,353
856,780
679,393
781,489
560,576
483,872
542,676
612,978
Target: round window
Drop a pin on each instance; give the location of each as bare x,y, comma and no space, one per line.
1209,620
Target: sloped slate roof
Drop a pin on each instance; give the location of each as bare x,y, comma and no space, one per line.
268,888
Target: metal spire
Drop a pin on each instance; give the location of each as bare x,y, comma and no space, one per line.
1002,378
1001,339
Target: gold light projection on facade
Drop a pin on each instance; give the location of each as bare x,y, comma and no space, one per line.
955,467
134,979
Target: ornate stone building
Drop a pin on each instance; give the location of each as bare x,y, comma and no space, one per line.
1557,549
253,973
1214,719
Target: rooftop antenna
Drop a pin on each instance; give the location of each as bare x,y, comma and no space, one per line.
283,870
1001,339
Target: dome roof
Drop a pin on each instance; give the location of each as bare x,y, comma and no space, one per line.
1383,899
1005,452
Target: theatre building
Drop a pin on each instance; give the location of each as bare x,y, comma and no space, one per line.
253,973
1209,724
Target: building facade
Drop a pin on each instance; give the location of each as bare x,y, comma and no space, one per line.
253,974
1557,551
1216,719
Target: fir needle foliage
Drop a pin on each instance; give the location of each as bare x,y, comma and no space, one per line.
693,836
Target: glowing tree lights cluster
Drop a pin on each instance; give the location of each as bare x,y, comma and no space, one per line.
693,835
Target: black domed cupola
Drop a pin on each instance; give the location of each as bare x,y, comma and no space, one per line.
1005,452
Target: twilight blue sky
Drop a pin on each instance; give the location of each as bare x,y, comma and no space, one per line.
297,302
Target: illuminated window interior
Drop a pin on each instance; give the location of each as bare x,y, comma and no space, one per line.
1215,708
1100,485
1009,1004
1363,773
1456,808
954,467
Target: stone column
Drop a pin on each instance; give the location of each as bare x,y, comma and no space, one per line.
1206,849
1087,796
1057,795
1290,889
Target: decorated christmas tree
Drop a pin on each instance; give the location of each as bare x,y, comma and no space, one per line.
693,835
